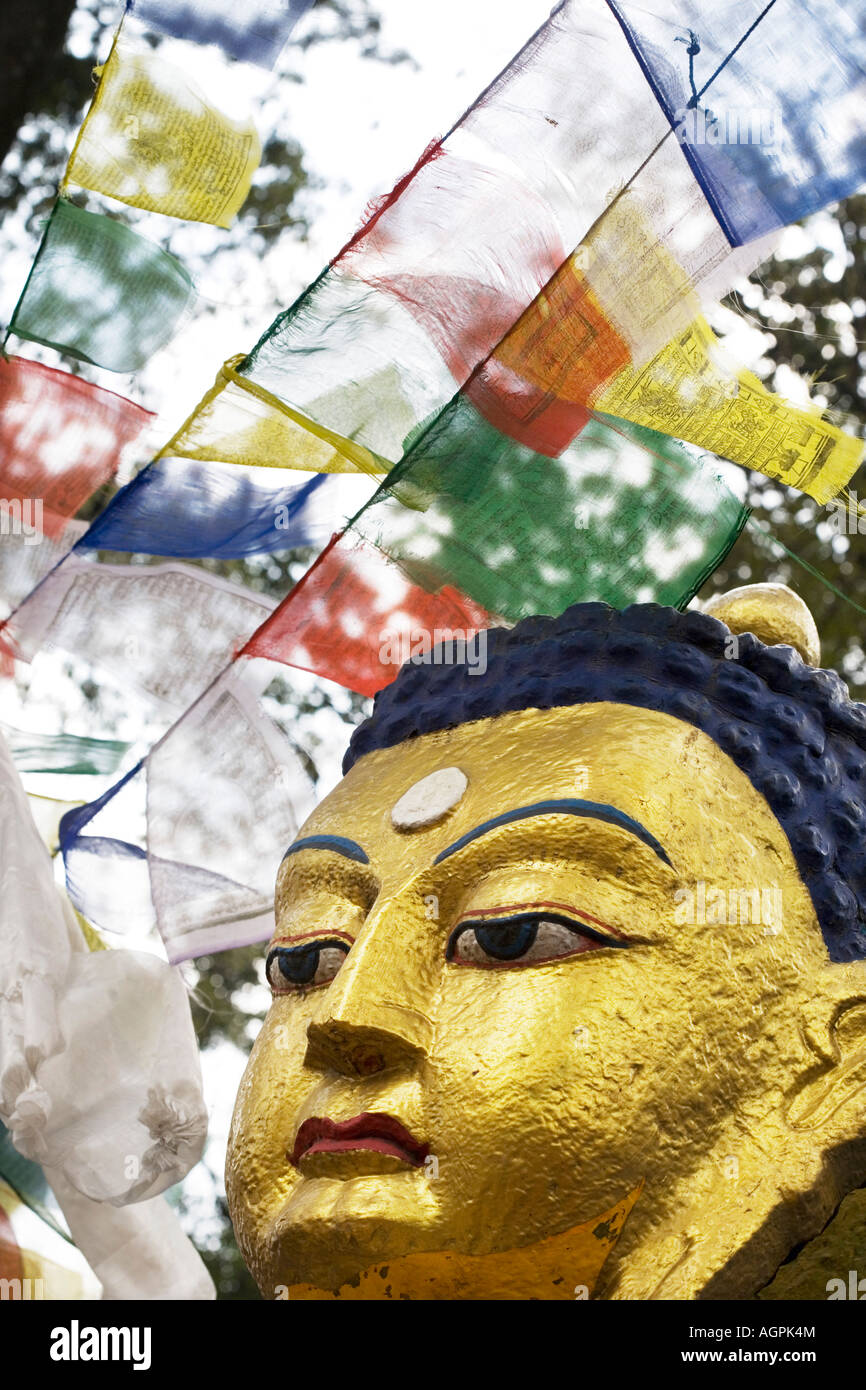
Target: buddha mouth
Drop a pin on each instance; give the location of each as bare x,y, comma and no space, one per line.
374,1132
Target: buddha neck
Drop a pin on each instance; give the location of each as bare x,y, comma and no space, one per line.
560,1267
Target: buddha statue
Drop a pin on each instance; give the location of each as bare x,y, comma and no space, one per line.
569,988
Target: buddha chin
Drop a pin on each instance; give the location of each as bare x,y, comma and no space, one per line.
331,1229
568,997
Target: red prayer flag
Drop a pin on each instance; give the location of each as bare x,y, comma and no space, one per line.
60,437
355,618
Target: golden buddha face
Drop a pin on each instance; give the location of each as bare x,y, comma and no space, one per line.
493,1020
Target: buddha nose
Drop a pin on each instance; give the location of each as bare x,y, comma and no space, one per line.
374,1015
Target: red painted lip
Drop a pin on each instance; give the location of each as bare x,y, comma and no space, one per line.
379,1133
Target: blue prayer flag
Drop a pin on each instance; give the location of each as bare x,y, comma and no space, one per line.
766,99
254,31
186,510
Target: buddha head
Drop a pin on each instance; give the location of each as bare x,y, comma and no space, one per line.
569,991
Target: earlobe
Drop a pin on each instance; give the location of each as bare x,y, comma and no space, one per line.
829,1095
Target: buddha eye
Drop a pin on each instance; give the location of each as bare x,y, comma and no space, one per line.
526,939
293,969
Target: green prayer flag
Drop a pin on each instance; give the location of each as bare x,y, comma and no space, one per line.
63,752
624,515
101,292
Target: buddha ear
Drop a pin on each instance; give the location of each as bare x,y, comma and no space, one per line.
773,613
829,1096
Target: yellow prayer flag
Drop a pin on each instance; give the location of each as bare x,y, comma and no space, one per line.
151,139
688,390
36,1263
682,382
240,422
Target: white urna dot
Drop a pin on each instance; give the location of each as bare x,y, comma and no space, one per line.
430,799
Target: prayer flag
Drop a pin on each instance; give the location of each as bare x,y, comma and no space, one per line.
239,422
68,753
60,437
26,559
354,618
101,292
222,794
187,510
690,391
766,101
164,630
152,139
254,32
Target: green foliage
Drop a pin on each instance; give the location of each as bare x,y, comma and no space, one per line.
813,308
225,1263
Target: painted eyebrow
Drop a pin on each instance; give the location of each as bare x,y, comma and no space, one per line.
594,810
338,844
